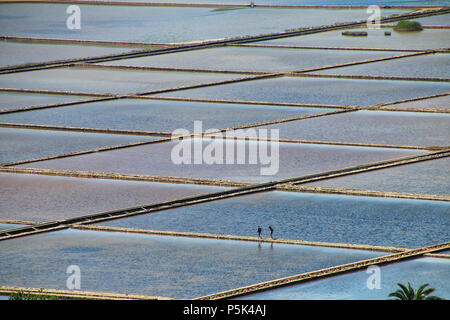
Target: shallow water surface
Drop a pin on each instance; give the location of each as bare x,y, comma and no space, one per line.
318,91
425,39
13,100
158,115
373,127
312,217
252,59
157,24
106,81
353,286
166,159
439,20
313,2
25,144
423,66
431,103
6,226
428,177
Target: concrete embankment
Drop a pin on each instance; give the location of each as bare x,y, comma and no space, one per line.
76,294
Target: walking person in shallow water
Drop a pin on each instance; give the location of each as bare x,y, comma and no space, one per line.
259,232
271,232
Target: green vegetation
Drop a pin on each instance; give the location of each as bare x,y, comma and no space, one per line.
408,293
408,26
20,295
226,9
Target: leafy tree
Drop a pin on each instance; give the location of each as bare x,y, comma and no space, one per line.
408,293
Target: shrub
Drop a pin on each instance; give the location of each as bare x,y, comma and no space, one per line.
408,26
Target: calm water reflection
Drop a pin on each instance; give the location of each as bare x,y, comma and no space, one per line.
155,265
158,115
163,24
429,177
47,198
12,100
106,81
376,127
